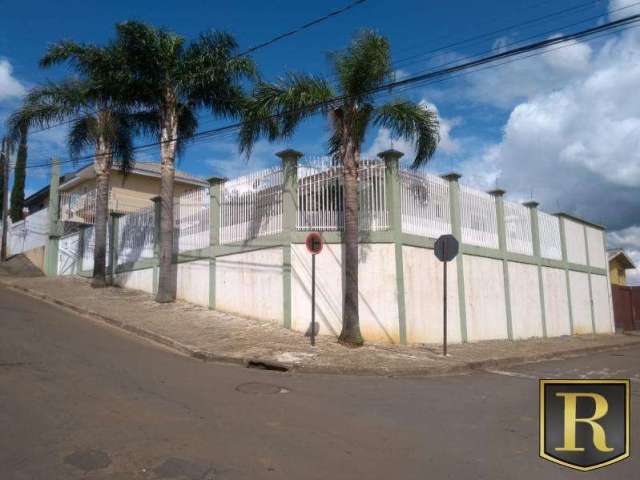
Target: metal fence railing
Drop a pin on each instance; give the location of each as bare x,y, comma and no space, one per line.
425,205
136,236
251,206
321,196
517,226
191,220
478,218
549,228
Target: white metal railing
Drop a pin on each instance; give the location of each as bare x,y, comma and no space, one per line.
136,236
517,226
321,195
78,207
251,206
549,231
478,218
191,219
81,207
89,247
425,205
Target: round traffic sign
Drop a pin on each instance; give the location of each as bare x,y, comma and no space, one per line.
446,248
314,243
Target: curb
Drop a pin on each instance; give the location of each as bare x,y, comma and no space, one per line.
457,368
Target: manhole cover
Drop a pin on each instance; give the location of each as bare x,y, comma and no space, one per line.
257,388
88,460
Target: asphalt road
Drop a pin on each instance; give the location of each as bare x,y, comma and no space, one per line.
79,399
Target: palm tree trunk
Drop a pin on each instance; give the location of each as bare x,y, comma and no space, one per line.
102,166
167,279
350,334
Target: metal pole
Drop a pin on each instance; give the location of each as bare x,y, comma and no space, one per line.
444,302
313,300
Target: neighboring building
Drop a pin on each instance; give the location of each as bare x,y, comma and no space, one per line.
128,193
619,263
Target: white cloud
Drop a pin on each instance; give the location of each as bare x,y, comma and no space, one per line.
10,87
576,147
384,140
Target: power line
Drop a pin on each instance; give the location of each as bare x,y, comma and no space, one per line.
303,27
273,40
610,27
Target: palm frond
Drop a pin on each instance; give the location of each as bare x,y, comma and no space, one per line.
82,135
412,122
363,66
276,109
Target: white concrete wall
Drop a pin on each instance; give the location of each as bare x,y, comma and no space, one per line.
29,233
580,303
576,248
526,313
136,280
556,302
485,299
423,297
601,304
595,246
378,293
193,282
250,284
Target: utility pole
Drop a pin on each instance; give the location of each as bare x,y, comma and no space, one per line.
5,197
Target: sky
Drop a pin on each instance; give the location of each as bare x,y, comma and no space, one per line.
562,128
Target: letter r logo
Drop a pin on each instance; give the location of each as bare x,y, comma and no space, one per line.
584,424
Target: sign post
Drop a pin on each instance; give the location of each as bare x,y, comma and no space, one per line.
314,246
446,248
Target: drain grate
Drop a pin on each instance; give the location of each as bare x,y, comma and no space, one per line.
259,388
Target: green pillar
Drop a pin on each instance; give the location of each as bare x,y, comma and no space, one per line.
586,250
215,200
289,224
456,229
498,194
565,265
537,255
394,207
82,233
156,242
55,227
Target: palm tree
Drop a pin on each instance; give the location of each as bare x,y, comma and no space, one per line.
173,79
361,70
95,103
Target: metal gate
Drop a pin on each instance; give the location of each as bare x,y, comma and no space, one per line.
626,307
68,254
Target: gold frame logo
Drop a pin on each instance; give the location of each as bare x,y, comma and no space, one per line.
601,409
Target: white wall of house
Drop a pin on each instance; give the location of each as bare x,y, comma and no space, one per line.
136,280
250,284
580,303
485,298
193,282
556,302
423,297
576,248
526,312
378,306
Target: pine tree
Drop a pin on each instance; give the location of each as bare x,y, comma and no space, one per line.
17,192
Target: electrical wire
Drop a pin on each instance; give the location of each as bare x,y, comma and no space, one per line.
610,27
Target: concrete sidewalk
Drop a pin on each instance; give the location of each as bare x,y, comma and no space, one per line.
212,335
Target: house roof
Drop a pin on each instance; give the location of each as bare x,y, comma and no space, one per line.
623,257
151,169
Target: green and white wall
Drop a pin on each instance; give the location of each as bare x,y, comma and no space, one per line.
510,281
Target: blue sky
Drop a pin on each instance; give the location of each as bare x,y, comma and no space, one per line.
562,127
